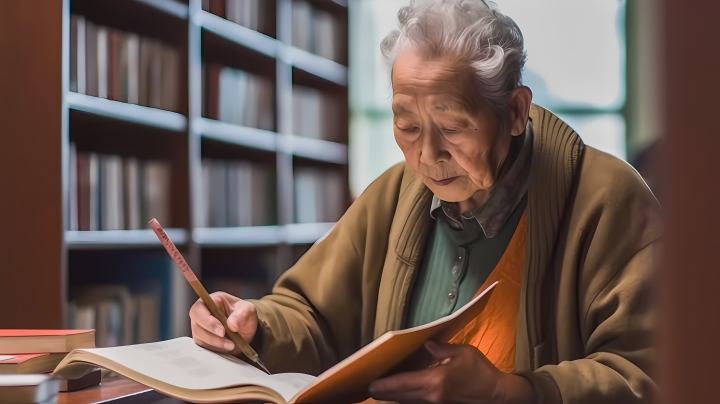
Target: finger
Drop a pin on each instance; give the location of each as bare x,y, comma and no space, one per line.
243,319
402,387
444,351
200,314
222,303
209,340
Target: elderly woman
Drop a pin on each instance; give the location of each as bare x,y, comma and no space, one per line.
493,188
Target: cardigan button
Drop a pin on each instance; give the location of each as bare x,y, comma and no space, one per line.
451,295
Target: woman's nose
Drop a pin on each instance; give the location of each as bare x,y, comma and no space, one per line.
433,147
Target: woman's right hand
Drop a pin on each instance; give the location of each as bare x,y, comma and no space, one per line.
209,333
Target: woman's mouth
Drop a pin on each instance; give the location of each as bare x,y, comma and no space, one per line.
444,182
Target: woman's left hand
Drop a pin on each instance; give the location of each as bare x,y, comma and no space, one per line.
465,375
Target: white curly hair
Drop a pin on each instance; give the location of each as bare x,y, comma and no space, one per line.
472,30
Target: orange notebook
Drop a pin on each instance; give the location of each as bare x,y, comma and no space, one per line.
46,341
30,363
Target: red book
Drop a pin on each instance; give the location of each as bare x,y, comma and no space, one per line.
29,363
50,341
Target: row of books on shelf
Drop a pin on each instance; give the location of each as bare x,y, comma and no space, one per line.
248,13
319,195
316,114
315,30
238,97
245,99
123,66
237,193
118,316
121,316
109,192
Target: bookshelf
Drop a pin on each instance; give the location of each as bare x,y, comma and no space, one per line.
183,137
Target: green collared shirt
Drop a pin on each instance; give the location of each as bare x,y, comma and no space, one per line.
463,249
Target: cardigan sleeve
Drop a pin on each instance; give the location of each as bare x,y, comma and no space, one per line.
618,349
321,308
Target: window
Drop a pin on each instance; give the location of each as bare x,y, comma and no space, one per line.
575,68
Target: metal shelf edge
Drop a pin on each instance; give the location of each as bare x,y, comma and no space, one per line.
319,66
238,34
237,236
317,149
253,236
306,233
121,238
127,112
235,134
169,7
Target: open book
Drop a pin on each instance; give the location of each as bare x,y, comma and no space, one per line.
181,369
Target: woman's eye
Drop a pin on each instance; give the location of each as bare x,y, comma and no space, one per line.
448,130
407,128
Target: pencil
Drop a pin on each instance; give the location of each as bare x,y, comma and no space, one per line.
203,294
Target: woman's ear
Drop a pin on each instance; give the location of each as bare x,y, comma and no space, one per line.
519,109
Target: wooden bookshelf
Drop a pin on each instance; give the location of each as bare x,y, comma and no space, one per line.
183,138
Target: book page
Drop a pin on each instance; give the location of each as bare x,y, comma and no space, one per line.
180,362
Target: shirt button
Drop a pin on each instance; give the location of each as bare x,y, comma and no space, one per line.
451,295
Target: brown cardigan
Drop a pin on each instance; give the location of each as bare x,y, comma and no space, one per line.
585,317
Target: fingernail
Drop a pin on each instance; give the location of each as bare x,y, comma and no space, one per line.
229,345
219,331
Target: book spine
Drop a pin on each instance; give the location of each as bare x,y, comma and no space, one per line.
114,65
133,69
217,7
73,222
212,95
132,194
73,52
155,74
91,59
245,194
83,168
93,192
258,195
144,72
102,62
156,191
233,193
81,61
123,67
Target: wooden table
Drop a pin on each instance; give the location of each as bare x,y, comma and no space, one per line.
117,391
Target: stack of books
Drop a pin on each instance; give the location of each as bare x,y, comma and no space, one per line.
114,193
248,13
315,30
319,195
238,97
315,114
236,193
32,352
122,66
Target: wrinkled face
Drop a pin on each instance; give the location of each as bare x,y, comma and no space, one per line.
450,136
